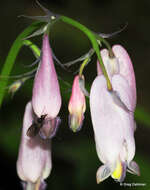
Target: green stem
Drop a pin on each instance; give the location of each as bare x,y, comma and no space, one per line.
94,44
10,60
33,47
98,37
82,66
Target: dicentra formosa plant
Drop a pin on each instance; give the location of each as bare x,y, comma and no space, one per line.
112,104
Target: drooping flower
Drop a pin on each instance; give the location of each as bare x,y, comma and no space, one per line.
112,115
77,106
46,98
34,159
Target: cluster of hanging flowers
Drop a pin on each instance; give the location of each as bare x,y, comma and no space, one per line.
40,123
112,100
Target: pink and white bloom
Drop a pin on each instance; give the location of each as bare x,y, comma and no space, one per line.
112,115
46,98
77,106
34,159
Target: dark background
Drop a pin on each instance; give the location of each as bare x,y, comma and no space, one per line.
75,160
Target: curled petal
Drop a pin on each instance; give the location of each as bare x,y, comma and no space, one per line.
134,168
50,128
103,173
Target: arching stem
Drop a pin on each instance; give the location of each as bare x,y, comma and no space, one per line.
94,42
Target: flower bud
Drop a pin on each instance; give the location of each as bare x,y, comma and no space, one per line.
46,97
34,159
16,85
77,106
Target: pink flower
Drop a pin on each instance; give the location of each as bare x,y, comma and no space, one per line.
112,115
34,159
46,98
77,106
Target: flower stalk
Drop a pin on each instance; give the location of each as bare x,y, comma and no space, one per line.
94,44
85,62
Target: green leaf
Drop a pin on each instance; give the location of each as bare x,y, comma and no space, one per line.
14,50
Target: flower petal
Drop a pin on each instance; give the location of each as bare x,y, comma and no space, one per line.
126,69
34,159
112,124
134,168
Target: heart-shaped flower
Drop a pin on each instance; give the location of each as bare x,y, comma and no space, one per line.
112,114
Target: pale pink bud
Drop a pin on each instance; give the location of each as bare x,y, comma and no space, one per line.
77,106
112,115
34,159
46,97
120,64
